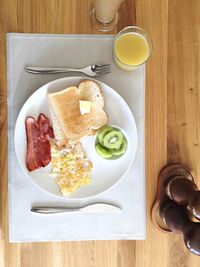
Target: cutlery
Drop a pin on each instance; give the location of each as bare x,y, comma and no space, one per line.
95,207
91,70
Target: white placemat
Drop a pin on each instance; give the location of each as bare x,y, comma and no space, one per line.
129,193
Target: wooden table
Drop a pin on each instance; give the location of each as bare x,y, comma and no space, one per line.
172,122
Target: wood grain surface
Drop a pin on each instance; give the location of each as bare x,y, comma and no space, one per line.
172,122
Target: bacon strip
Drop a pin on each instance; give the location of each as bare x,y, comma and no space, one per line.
38,146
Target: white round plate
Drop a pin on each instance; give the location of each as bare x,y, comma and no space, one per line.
105,172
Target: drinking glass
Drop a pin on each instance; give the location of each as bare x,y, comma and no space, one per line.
105,14
132,47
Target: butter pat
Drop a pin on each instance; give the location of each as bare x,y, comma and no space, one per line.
85,106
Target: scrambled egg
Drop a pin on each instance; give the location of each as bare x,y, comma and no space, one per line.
70,167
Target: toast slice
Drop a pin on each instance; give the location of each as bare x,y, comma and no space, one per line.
91,91
58,132
68,123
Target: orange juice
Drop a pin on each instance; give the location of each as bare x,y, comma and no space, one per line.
130,50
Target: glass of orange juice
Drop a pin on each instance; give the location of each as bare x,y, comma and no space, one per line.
132,48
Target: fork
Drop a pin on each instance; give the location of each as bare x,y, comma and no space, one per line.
91,70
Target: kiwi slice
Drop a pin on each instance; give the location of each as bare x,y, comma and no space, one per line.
121,150
103,132
113,140
103,152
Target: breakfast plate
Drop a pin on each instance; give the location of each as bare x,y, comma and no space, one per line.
106,172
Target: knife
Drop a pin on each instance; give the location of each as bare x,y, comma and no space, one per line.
90,208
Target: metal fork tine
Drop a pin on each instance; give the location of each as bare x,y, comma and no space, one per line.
101,65
102,69
98,67
103,72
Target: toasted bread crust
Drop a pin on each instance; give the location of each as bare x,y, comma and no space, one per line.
93,131
84,83
68,123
